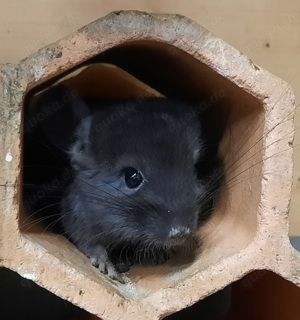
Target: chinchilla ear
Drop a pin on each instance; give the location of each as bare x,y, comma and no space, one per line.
56,113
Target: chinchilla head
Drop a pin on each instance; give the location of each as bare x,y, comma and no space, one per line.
134,171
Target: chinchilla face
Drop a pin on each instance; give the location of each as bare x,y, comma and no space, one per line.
135,176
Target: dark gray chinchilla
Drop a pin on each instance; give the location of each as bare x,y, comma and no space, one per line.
143,175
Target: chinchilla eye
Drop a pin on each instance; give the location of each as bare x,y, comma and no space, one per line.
133,177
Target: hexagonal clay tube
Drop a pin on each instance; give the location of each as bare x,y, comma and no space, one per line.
132,55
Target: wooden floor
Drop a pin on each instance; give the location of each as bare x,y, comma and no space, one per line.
268,31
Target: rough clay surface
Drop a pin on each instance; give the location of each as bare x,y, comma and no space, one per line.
68,274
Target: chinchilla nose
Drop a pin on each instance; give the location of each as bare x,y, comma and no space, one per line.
179,234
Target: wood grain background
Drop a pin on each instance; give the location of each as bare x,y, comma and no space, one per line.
268,31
